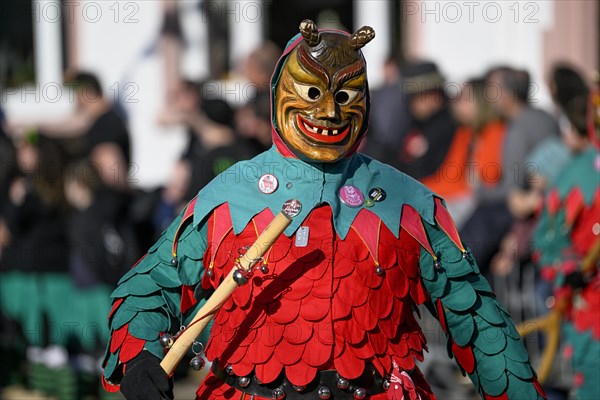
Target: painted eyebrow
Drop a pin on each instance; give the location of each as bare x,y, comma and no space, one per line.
349,72
314,67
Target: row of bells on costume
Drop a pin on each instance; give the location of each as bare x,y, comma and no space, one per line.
323,392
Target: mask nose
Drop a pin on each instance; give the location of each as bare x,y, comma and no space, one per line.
327,108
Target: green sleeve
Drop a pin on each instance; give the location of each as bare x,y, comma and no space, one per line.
147,300
479,330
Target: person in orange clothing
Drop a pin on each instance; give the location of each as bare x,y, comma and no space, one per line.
475,154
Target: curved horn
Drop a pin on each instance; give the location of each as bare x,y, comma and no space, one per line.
361,37
310,33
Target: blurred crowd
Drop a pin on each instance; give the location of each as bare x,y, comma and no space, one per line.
71,224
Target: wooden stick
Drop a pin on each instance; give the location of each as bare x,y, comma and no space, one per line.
224,291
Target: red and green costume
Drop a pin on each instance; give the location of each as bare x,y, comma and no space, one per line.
344,301
569,228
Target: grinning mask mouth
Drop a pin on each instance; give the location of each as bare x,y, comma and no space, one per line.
321,96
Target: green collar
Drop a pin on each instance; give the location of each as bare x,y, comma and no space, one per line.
312,184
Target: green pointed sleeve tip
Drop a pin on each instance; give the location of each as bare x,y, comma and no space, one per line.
138,285
110,363
121,317
142,303
191,245
156,320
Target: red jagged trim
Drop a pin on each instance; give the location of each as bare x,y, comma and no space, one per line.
109,387
367,226
188,213
441,315
115,305
219,224
553,202
444,220
503,396
574,203
117,338
261,220
130,348
411,223
539,388
464,356
188,300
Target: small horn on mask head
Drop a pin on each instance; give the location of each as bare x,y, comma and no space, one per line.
361,37
310,33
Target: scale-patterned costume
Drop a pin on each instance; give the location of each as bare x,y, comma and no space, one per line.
344,300
569,228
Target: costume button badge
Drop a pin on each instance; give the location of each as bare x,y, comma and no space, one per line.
351,196
268,183
377,194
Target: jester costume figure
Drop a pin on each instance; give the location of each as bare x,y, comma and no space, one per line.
567,243
331,311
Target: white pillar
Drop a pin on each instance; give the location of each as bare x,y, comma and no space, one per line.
374,13
47,41
246,19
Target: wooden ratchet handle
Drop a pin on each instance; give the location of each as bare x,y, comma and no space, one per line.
223,292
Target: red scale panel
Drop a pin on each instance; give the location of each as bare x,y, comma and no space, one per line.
288,317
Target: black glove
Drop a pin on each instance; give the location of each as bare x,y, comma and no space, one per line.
576,280
145,379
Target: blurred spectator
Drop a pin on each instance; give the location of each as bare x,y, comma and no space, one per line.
477,145
258,68
390,119
8,167
221,146
216,148
565,83
105,135
526,127
104,245
34,281
253,123
184,109
433,128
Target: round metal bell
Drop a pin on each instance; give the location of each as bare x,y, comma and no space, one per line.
244,381
264,269
360,393
239,278
379,270
278,394
437,264
166,340
174,261
210,273
343,383
229,370
299,388
324,393
197,363
386,384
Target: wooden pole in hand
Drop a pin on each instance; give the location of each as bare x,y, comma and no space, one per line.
204,315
